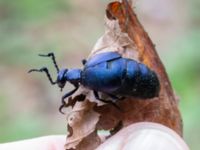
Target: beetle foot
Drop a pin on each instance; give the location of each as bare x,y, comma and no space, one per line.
61,107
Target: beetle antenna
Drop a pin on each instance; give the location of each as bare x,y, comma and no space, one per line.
44,69
53,59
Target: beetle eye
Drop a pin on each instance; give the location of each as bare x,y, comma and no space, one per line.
61,83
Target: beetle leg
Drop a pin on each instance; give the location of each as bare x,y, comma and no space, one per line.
53,59
44,69
63,103
118,127
115,97
105,101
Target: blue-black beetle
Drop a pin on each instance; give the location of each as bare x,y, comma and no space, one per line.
110,74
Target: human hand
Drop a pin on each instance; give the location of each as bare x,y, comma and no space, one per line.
139,136
56,142
145,136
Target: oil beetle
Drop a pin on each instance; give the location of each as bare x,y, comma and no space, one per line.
110,74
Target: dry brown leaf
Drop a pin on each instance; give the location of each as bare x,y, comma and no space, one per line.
82,122
163,109
125,35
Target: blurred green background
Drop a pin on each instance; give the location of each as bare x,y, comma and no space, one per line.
70,28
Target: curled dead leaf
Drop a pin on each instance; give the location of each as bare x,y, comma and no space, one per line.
82,121
125,35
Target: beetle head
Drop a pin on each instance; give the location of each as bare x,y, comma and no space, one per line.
62,79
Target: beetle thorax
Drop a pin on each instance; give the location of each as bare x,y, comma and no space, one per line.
73,76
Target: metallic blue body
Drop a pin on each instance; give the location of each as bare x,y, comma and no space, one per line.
108,73
113,74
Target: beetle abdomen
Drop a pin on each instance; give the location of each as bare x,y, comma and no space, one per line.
149,85
120,76
139,81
